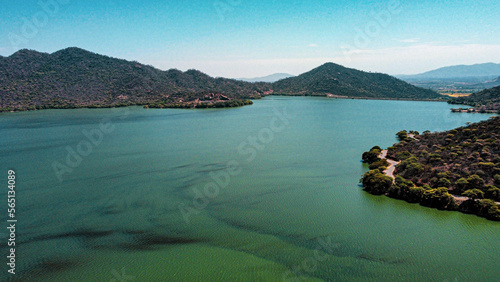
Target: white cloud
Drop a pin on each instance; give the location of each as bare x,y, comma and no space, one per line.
313,45
420,58
396,60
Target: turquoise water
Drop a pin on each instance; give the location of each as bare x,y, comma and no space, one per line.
265,192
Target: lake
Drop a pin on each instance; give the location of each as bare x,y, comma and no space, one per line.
263,192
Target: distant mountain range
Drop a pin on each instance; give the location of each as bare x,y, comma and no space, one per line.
457,79
270,78
462,71
73,77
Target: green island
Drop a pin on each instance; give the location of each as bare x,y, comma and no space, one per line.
455,170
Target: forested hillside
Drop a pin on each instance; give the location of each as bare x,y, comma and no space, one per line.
463,162
77,78
335,79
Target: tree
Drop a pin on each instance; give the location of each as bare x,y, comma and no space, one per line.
403,155
444,182
381,164
475,182
372,155
497,179
461,184
474,194
493,193
489,209
438,198
376,182
402,135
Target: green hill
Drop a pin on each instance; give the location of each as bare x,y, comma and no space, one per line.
488,99
337,80
77,78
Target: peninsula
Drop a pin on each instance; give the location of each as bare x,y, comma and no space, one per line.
453,170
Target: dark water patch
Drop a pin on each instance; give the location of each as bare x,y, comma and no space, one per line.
142,240
50,265
182,166
152,239
386,260
81,233
44,267
208,170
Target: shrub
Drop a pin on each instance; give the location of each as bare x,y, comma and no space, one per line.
372,155
493,193
403,155
376,182
474,194
475,182
381,164
444,182
438,198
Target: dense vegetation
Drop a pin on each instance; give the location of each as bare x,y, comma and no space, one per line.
435,166
335,79
486,100
74,77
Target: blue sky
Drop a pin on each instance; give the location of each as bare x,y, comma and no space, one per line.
238,38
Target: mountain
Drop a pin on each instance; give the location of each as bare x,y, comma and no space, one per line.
478,70
75,77
333,79
270,78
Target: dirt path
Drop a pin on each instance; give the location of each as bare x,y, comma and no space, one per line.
392,164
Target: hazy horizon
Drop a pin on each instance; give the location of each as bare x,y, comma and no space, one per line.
246,39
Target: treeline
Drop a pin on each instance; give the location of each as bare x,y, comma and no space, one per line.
202,105
464,162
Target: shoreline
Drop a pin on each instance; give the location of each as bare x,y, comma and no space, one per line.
186,106
332,96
